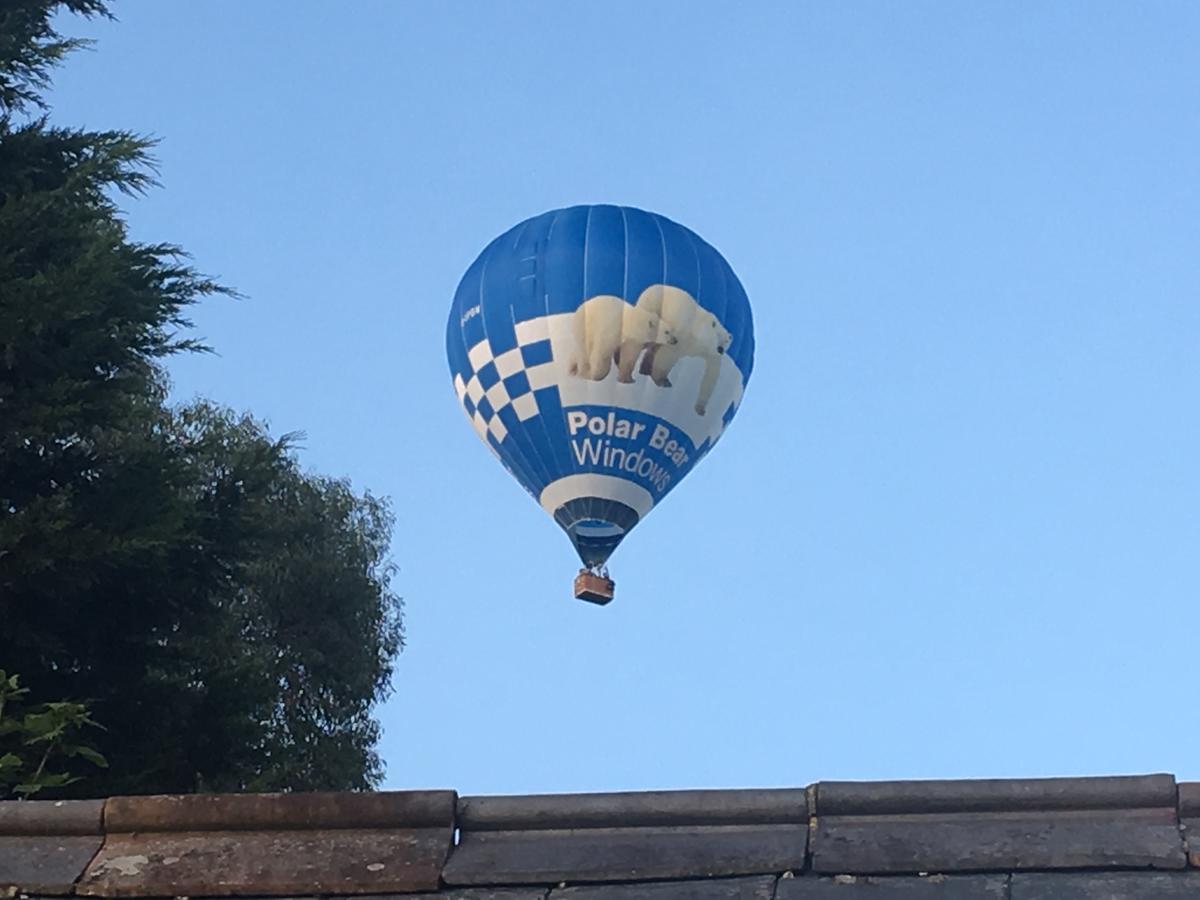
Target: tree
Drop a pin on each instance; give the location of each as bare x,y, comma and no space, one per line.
227,616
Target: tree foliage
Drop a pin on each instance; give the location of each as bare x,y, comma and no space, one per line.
227,615
30,47
36,742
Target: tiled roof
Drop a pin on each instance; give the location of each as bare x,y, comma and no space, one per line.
1020,839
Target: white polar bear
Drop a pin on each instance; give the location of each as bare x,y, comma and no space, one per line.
699,333
609,329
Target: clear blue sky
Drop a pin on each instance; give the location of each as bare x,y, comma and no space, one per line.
955,529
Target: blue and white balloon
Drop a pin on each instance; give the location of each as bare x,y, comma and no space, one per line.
600,352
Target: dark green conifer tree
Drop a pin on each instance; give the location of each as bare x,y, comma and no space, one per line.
226,615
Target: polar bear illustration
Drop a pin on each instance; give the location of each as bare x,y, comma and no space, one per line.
609,329
699,333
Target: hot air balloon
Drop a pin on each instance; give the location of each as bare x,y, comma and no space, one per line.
599,352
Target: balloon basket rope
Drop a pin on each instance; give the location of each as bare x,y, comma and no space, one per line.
594,585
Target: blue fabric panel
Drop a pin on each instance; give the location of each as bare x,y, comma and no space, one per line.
522,286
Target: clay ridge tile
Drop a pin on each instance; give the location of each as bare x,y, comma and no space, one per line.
45,845
634,809
866,798
997,826
263,845
255,812
50,817
1189,799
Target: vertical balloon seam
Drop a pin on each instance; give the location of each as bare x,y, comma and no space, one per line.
544,289
743,332
450,352
734,318
625,295
742,347
727,293
586,508
666,245
539,469
460,332
741,335
747,323
485,257
748,316
508,448
541,287
647,387
643,390
459,335
454,337
720,313
518,439
522,447
731,318
662,239
591,505
685,326
510,460
595,509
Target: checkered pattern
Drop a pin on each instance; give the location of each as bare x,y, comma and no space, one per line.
508,379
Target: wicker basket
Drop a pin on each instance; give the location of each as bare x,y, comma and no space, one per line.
593,588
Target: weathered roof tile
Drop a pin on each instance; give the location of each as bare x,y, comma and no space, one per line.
760,888
628,836
1189,799
1107,886
865,887
875,798
45,846
484,893
274,844
900,827
624,854
634,809
51,817
250,812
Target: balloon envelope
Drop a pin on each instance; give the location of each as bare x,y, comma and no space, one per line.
599,352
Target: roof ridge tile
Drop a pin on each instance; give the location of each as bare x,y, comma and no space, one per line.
632,809
994,794
287,811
